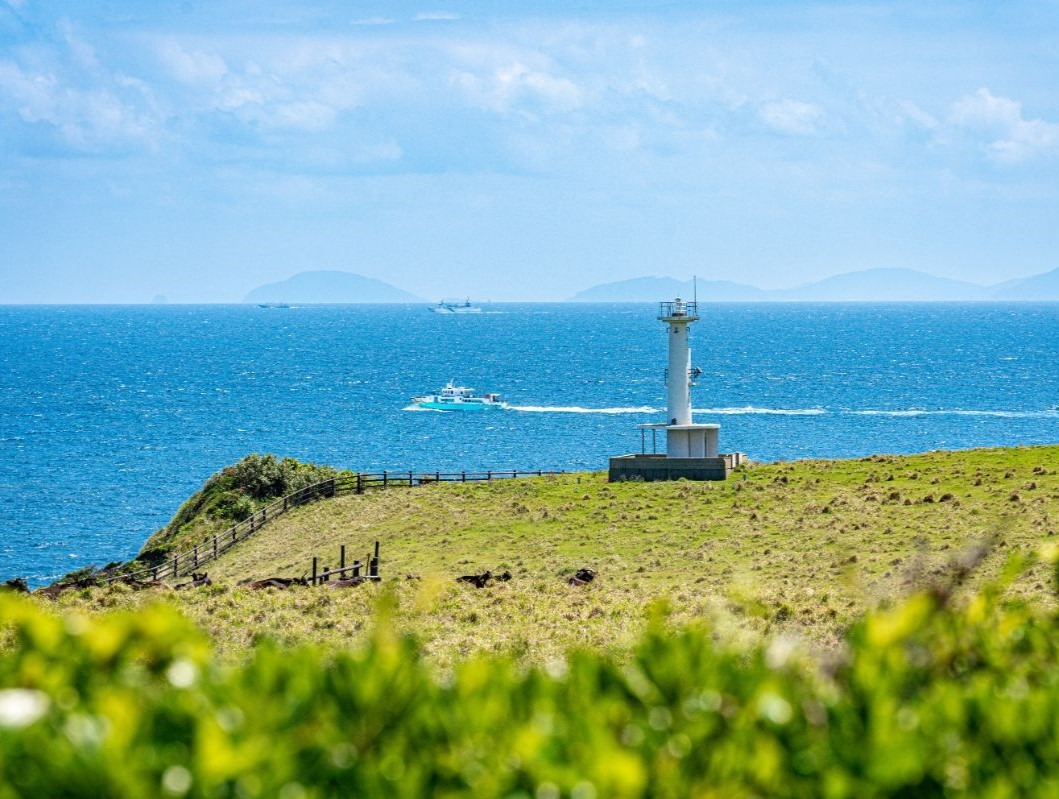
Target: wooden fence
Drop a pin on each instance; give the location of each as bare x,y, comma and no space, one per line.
184,563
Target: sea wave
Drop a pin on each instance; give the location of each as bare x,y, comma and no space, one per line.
578,409
1051,413
750,409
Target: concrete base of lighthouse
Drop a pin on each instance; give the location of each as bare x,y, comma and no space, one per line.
691,455
650,468
692,440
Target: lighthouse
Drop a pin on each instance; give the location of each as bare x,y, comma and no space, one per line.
691,449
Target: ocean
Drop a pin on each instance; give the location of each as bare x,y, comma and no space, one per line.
113,415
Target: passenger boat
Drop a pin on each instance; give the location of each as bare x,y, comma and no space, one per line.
454,307
457,398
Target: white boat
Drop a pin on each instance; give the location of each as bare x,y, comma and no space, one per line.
456,307
457,398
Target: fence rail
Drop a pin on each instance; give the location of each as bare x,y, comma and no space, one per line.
186,562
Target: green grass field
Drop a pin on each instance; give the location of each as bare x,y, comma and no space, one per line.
795,549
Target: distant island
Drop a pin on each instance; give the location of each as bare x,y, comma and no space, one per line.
871,285
329,287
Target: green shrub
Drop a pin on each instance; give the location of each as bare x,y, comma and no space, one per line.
228,497
929,699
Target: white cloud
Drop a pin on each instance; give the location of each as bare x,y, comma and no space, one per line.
792,117
309,115
189,67
436,16
83,54
912,112
508,87
1011,138
373,21
86,119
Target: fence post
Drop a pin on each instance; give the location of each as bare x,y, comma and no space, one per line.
489,476
360,483
463,477
384,478
373,568
176,566
215,547
313,581
409,478
342,558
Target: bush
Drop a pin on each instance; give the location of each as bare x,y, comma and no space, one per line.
228,497
929,700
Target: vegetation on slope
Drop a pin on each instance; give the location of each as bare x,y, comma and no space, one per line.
229,496
929,698
800,549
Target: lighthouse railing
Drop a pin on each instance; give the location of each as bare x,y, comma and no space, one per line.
678,309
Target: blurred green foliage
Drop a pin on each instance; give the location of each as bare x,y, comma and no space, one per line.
928,698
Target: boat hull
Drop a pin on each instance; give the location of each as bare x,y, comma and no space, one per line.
457,406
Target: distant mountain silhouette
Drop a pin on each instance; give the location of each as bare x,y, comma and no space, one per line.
870,285
329,286
649,289
1037,287
885,285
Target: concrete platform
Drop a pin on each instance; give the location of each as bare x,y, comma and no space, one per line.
651,468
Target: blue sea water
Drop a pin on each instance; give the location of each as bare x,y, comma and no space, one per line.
112,416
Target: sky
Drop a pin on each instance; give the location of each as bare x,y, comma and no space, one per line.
519,151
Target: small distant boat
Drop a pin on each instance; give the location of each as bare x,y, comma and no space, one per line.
457,398
454,307
273,305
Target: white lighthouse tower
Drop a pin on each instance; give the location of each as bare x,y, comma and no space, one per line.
691,449
684,438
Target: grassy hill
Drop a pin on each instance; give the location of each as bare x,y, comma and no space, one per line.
797,548
846,629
